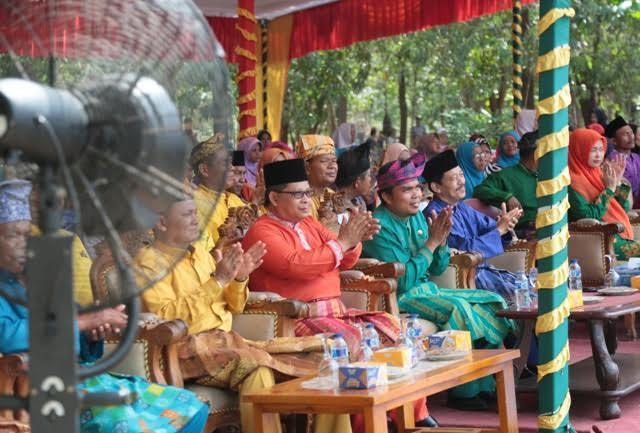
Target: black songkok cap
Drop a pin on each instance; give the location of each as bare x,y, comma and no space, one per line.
528,141
283,172
437,166
352,164
237,159
614,125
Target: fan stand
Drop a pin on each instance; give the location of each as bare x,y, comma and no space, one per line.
53,401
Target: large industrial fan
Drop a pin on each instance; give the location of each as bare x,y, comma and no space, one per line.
92,94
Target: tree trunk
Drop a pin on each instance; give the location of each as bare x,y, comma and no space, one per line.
341,110
402,103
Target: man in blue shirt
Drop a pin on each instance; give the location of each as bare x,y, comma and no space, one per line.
471,230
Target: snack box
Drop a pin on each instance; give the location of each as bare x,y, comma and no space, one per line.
362,375
394,356
448,342
575,298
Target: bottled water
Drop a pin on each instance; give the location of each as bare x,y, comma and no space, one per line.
533,281
371,337
328,368
414,329
414,333
575,276
366,351
340,350
523,299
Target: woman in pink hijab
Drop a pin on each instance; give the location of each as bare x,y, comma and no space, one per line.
395,151
252,148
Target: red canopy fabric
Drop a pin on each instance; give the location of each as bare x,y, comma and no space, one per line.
339,24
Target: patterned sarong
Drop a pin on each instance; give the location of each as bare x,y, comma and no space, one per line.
224,359
469,310
331,316
155,408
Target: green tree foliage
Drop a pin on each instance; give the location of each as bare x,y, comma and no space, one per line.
459,76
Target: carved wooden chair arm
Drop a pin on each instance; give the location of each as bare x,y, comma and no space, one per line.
591,225
379,286
379,289
164,333
467,264
466,259
286,307
379,269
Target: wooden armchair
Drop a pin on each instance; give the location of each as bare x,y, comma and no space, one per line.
591,242
154,353
461,272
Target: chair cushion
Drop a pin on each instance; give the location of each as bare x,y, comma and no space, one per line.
514,261
218,399
255,325
134,363
589,249
448,279
355,298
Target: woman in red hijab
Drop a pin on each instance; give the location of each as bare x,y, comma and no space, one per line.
598,189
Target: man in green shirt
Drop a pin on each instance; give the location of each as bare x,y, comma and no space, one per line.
408,238
516,186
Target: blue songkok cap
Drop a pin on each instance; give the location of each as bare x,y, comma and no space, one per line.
14,201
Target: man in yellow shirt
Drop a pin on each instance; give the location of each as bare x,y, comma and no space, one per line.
190,285
205,294
207,159
319,154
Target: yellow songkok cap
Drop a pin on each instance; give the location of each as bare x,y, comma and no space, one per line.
311,146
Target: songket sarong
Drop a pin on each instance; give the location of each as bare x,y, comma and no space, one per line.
224,359
155,408
469,310
331,316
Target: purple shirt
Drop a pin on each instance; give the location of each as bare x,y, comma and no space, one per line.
632,174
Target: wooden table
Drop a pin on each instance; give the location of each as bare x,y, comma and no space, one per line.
606,375
290,397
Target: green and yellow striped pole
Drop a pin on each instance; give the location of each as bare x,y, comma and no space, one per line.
554,400
516,50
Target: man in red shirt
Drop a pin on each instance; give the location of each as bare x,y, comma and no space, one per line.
304,259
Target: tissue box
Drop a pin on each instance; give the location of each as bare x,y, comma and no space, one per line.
575,298
362,375
448,341
394,356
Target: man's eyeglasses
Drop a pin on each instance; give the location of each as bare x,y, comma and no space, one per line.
298,194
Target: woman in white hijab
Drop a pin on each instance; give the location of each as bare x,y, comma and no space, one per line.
526,122
344,137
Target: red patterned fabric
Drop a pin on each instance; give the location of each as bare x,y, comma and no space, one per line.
331,316
342,23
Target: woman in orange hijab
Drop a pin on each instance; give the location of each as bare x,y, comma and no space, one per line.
598,189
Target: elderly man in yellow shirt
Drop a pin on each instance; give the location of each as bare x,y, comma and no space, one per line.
319,154
207,158
205,293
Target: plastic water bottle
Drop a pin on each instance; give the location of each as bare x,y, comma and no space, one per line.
328,368
523,299
414,333
575,275
340,350
366,352
533,280
371,337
